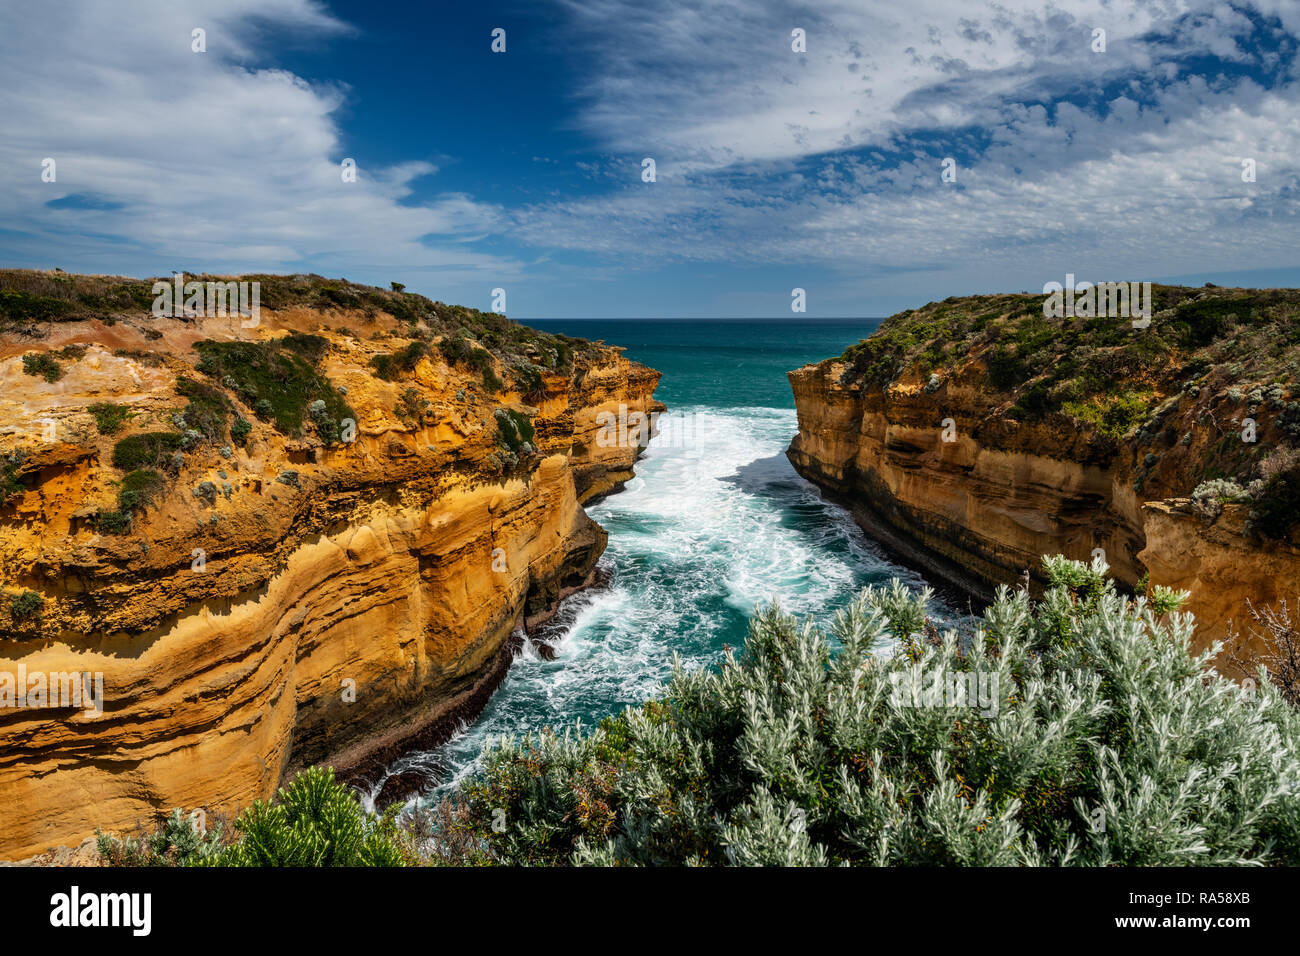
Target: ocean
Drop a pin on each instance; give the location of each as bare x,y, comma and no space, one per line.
715,522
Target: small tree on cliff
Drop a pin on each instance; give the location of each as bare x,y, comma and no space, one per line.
1074,730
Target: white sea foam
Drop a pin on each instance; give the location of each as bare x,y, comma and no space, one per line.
701,536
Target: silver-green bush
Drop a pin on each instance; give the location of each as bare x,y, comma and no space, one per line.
1073,730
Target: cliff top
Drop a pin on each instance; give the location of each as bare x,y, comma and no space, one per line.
32,302
1203,392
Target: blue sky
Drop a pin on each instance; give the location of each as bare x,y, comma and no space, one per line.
775,169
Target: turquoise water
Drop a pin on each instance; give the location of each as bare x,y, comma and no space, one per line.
715,522
722,364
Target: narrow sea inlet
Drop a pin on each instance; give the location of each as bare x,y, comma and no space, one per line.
715,522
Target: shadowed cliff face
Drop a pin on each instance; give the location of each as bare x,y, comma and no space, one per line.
980,508
975,436
295,595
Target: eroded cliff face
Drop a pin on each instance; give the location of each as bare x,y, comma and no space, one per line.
956,477
977,500
1226,570
289,601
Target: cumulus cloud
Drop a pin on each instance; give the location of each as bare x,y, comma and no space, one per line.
167,158
1127,161
825,162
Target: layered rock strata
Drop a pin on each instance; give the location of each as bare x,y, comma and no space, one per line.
292,599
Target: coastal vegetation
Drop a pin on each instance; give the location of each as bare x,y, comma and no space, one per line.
109,416
42,364
31,300
274,379
1076,729
147,449
137,491
314,821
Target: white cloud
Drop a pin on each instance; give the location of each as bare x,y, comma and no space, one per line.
1146,183
203,159
717,83
214,161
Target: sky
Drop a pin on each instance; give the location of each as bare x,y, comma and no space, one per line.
775,169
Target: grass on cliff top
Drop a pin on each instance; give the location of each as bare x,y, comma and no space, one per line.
30,300
1255,332
1099,371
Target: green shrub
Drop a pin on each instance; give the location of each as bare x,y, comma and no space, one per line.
177,841
113,522
411,407
147,450
491,380
336,297
239,430
1035,402
1289,421
138,489
24,306
316,822
136,492
329,429
310,347
1007,368
391,367
42,364
275,381
11,485
1114,414
109,417
1077,729
528,379
514,429
28,604
1198,323
207,410
459,351
455,349
152,359
1209,497
121,297
1276,507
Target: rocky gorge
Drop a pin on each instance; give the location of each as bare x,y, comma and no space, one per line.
297,540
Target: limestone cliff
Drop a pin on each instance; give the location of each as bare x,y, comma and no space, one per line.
975,435
306,540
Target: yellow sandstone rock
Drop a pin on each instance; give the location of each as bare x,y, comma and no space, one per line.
339,618
983,508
